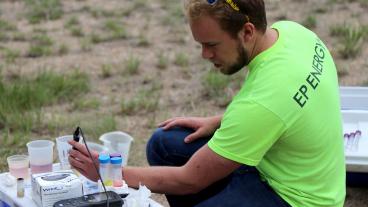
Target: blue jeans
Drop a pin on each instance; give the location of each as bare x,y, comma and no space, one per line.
242,188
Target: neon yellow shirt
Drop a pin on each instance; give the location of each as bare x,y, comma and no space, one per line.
286,120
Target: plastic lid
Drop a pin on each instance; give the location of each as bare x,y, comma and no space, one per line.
116,160
115,155
104,159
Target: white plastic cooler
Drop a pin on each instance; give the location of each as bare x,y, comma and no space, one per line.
354,105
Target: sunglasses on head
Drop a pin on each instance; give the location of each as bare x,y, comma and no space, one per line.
232,4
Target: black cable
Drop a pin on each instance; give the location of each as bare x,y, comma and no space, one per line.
94,164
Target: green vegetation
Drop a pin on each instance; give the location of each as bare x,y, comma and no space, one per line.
351,39
84,104
145,100
116,29
10,55
63,49
23,98
143,41
41,45
39,10
310,22
162,61
181,59
106,70
132,65
73,25
215,83
5,27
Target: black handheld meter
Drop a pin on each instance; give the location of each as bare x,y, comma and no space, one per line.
76,134
92,200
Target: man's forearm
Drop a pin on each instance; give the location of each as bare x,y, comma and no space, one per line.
170,180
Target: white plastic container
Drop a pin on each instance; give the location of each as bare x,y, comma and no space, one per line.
354,98
97,147
116,173
104,161
356,157
118,142
40,155
63,148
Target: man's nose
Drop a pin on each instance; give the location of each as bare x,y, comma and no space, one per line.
206,53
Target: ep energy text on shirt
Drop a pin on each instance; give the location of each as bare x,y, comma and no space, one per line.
312,81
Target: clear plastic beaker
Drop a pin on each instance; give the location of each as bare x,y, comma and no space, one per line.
40,155
119,142
18,166
63,148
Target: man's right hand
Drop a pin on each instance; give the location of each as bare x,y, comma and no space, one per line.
203,127
81,161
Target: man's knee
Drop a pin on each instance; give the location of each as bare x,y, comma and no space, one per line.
153,146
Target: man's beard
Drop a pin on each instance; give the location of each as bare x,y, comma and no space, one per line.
241,61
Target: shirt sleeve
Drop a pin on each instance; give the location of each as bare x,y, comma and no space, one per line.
248,130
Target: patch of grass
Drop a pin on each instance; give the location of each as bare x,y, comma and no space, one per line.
10,55
41,45
72,21
181,59
85,104
95,38
98,125
63,49
310,22
19,36
4,37
174,15
214,83
342,71
7,26
23,98
73,25
116,29
76,31
143,41
132,65
40,10
144,101
162,61
106,70
86,44
351,39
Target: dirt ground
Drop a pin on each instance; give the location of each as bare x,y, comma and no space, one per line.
157,35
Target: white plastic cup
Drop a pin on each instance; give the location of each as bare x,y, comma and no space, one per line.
118,142
96,147
18,166
40,155
63,148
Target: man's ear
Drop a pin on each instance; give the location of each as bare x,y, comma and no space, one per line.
247,33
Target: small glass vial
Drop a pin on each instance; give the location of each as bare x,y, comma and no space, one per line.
20,187
116,173
104,161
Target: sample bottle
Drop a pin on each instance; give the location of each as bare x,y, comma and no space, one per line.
20,187
104,161
116,173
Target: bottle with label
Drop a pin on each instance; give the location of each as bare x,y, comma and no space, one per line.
104,161
116,173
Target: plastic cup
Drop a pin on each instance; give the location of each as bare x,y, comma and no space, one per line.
40,155
18,166
96,147
63,148
118,142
